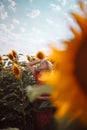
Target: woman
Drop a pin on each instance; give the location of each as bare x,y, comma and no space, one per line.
43,66
42,110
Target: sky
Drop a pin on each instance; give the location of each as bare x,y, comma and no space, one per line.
28,26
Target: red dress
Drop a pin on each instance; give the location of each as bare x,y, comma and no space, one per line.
42,111
37,75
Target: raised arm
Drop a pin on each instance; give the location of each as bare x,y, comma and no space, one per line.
30,65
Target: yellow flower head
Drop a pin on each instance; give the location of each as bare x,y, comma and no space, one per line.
40,55
33,58
28,58
16,70
69,79
14,53
0,59
10,56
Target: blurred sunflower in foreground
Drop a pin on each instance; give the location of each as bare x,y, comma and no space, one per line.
69,79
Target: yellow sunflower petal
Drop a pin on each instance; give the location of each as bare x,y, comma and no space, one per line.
14,53
28,57
0,59
10,56
16,70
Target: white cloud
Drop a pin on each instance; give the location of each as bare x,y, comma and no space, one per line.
36,30
34,13
23,29
3,27
62,2
53,23
11,27
12,5
16,21
21,42
3,39
25,24
55,7
75,6
69,19
1,6
5,42
3,13
49,21
6,29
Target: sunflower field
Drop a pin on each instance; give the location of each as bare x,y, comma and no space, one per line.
68,82
15,108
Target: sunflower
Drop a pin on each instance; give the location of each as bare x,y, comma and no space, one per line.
0,59
28,57
14,53
10,56
69,79
40,55
33,58
16,70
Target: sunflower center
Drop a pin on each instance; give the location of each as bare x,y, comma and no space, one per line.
81,66
16,71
